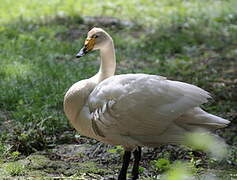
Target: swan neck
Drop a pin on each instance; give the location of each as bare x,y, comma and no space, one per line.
108,61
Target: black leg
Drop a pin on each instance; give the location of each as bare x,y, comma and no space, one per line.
126,160
137,158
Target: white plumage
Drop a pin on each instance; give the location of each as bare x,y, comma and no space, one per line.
134,109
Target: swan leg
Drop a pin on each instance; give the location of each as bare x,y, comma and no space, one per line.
126,160
137,158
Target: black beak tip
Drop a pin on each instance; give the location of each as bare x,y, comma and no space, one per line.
78,56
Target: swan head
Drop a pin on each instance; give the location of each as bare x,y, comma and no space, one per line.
96,39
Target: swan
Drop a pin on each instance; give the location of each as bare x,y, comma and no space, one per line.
134,110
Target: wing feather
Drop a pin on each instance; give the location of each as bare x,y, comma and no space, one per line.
142,104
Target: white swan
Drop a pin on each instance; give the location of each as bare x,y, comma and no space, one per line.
134,110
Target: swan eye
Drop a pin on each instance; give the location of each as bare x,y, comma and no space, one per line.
95,36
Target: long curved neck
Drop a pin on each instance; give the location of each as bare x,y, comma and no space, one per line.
107,64
108,61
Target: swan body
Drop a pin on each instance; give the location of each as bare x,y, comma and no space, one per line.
134,110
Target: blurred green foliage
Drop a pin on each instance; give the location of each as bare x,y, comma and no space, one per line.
161,164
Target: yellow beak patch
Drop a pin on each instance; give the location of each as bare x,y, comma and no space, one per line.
89,44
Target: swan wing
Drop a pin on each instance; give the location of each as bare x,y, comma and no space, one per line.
140,104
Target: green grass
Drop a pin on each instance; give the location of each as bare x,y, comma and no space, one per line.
193,41
13,169
144,11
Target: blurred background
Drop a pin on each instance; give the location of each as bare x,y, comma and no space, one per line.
194,41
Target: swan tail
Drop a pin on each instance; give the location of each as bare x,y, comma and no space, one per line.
198,118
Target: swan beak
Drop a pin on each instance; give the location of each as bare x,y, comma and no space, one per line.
81,53
88,46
